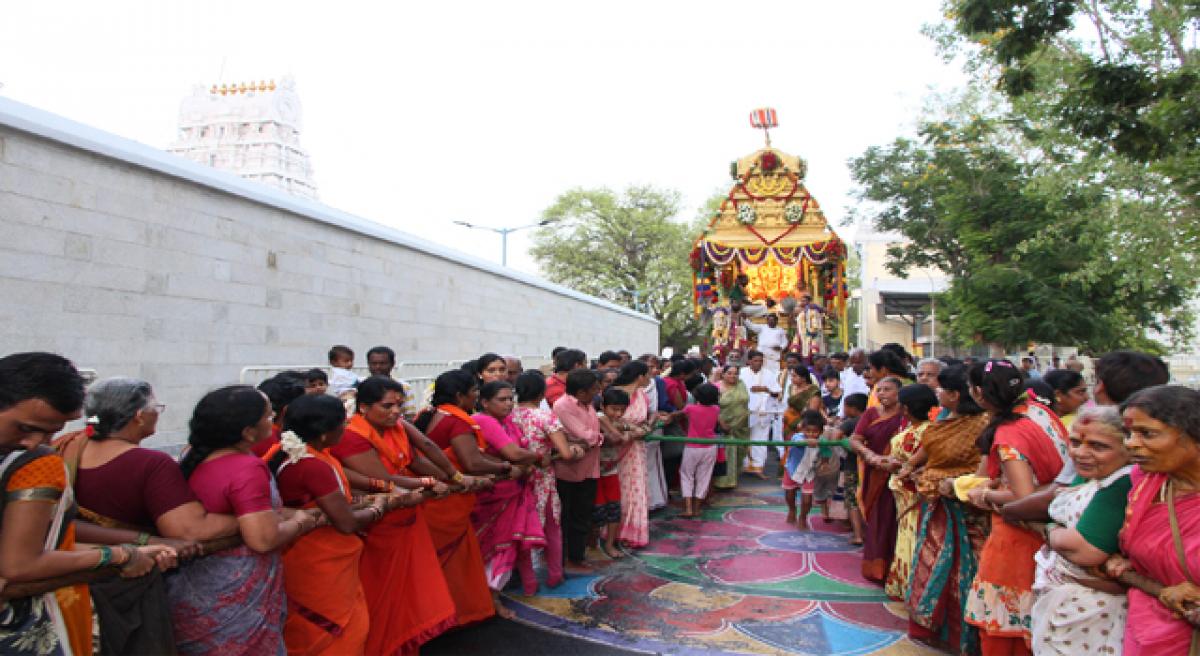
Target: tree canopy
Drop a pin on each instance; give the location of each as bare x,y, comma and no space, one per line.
1124,76
1042,242
629,248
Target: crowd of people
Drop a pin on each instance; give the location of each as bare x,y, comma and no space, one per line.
321,513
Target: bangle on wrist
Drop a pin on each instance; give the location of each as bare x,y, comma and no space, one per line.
105,556
457,477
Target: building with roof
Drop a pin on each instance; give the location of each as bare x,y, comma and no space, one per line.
895,309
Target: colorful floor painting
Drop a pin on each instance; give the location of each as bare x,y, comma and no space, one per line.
738,580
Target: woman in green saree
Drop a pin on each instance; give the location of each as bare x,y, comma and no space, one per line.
735,419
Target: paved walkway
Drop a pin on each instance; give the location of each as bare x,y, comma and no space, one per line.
738,580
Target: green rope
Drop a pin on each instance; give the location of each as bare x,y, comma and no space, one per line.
731,441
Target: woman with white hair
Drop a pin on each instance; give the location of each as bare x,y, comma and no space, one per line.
1075,611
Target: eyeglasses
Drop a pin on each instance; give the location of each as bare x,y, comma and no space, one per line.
158,408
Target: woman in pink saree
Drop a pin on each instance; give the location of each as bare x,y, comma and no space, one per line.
635,504
505,517
1161,536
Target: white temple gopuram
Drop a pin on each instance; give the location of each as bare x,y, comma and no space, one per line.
251,129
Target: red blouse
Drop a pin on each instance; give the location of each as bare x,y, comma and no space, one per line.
306,481
134,488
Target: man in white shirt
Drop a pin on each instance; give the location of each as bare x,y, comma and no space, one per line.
772,340
848,369
765,393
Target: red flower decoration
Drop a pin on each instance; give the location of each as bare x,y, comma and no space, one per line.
769,161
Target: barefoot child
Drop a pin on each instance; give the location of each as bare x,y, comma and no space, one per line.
809,466
698,459
852,408
606,513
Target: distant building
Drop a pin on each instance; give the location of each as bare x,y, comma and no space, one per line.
251,129
895,309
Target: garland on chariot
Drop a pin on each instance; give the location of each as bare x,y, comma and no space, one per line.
769,250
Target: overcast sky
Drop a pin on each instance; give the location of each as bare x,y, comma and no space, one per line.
418,114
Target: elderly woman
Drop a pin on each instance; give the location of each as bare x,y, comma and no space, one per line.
130,494
884,364
735,417
39,393
1161,536
233,601
872,442
1077,612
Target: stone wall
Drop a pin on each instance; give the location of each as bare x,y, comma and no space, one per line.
134,262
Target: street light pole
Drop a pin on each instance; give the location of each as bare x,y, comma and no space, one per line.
504,232
932,318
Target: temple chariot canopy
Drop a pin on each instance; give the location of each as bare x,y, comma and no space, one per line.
769,250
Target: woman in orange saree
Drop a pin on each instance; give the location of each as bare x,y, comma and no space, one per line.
40,392
327,608
450,426
399,563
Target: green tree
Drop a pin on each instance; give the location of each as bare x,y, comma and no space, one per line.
1041,244
1123,76
628,248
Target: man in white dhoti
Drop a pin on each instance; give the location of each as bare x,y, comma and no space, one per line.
772,340
763,385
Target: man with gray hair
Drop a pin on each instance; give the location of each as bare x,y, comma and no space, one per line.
927,372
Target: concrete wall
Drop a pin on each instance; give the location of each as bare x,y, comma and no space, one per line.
134,262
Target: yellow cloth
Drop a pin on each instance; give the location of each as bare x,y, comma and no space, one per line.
964,484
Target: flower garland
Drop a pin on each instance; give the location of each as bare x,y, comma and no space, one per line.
295,448
818,253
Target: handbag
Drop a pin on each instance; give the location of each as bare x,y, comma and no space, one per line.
1194,649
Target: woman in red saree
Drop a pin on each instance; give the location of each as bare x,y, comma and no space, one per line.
327,608
872,442
505,517
1161,536
1021,456
399,561
450,426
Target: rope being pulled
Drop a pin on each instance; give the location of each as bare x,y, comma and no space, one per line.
22,589
733,442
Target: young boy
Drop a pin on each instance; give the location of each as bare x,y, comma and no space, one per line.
606,513
316,382
831,396
816,476
853,407
341,359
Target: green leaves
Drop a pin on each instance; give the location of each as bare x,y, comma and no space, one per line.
1066,249
628,248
